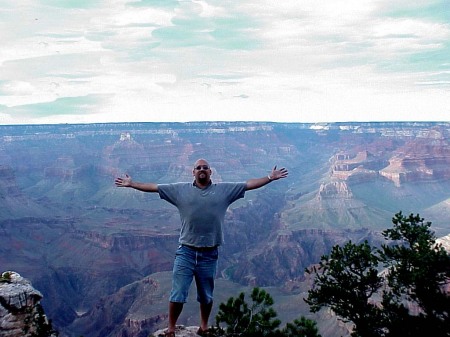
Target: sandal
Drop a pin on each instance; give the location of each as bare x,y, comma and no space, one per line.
168,334
204,333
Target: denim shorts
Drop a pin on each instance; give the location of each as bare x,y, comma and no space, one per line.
189,264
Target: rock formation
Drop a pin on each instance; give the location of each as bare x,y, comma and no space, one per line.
360,168
337,189
424,158
21,314
181,331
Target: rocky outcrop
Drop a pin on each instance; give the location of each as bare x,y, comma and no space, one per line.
337,189
21,314
181,331
423,158
404,169
359,168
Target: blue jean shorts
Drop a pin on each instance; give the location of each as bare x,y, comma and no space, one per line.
193,264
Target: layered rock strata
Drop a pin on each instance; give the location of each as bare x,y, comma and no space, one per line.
20,312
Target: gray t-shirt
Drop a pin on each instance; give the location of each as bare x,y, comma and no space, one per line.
202,211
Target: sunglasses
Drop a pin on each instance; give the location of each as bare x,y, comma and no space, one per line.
202,167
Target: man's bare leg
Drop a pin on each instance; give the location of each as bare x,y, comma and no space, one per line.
205,311
175,309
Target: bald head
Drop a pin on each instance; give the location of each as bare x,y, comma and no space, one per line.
201,161
202,173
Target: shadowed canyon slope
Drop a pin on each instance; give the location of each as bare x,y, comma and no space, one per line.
89,246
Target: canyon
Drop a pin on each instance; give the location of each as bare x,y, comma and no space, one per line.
101,255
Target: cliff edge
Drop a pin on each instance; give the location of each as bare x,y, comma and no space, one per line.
21,314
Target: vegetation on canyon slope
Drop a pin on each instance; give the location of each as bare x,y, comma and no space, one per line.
408,298
258,319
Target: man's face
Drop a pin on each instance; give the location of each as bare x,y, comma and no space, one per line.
202,171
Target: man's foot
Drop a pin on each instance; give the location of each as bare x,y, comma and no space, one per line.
204,333
169,334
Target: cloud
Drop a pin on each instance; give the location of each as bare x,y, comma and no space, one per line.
188,60
18,88
191,27
61,107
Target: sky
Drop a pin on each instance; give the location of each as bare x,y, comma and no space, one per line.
308,61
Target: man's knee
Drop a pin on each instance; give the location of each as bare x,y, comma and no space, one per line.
180,288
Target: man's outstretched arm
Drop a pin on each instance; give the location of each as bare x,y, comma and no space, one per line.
128,182
260,182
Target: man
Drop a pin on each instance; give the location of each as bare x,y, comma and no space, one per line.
202,206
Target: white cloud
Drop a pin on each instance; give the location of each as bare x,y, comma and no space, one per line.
131,16
208,10
17,88
261,60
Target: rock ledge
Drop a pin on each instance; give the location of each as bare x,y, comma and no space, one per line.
181,331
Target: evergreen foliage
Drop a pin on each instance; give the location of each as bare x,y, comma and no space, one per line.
257,319
302,327
407,299
5,277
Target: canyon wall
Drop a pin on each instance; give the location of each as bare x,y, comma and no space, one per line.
80,240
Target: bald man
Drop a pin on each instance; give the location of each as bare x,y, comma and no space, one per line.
202,205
